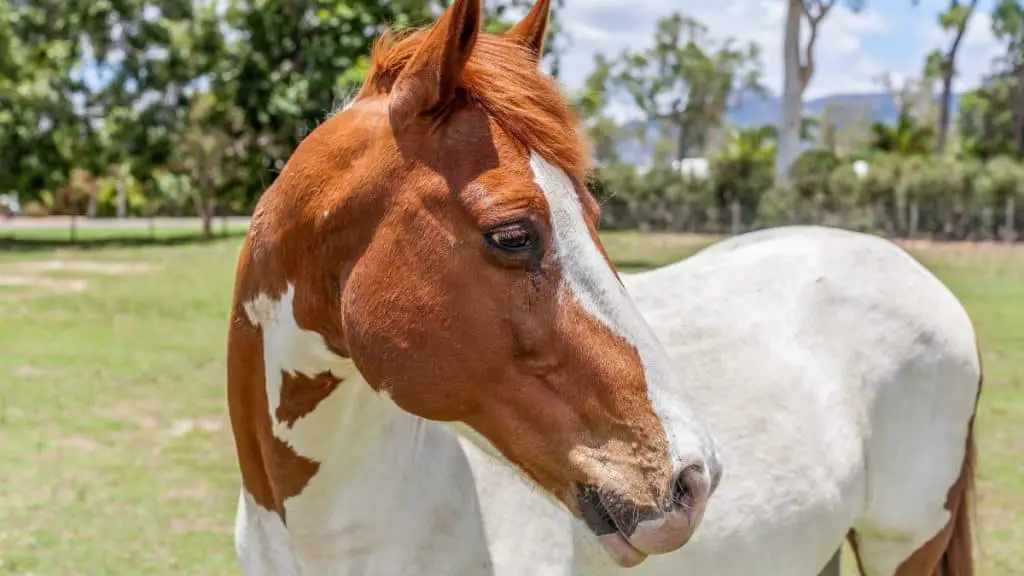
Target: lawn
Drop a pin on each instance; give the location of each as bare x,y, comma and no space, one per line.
116,453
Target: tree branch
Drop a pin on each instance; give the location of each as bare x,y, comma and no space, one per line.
961,30
814,18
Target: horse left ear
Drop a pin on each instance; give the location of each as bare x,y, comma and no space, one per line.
430,79
531,29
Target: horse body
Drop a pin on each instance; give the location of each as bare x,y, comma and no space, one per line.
840,378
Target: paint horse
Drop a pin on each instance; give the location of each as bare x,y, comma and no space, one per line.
429,255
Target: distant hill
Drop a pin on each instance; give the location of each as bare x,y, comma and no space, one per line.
756,110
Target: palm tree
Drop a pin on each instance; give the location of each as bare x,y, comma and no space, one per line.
905,138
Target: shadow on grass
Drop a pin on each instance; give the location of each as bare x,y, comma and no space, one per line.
14,243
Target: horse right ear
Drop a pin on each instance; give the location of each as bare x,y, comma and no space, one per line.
430,79
530,31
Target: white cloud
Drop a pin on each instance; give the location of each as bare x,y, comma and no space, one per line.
847,60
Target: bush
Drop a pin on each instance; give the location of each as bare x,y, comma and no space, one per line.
926,196
811,171
1002,178
744,179
660,199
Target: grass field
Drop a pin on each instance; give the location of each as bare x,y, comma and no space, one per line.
115,455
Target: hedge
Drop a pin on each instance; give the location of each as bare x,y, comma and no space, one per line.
927,197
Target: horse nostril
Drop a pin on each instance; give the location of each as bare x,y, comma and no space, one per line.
689,488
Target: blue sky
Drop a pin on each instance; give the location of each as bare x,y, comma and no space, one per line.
854,49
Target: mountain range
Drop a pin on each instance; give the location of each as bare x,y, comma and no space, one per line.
756,110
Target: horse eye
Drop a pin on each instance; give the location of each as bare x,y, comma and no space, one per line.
517,237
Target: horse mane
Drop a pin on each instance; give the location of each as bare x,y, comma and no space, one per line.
503,79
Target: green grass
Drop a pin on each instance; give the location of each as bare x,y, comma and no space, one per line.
115,450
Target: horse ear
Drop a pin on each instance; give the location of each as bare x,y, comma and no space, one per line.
531,29
431,77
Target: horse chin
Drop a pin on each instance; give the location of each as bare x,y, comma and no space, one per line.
621,551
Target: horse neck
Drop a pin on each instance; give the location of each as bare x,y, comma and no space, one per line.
376,465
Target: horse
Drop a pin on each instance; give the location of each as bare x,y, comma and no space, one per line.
427,260
840,379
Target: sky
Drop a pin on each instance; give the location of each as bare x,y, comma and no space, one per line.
853,49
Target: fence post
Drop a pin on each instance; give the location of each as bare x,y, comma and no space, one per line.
915,215
1009,232
737,216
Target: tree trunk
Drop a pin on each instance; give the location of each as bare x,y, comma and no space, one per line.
948,70
1009,227
681,144
122,196
207,225
915,216
92,208
73,209
792,92
947,100
205,212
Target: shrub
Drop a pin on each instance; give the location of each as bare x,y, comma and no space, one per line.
942,198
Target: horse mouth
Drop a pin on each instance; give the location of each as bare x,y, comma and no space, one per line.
599,520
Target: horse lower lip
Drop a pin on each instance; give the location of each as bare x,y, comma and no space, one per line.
622,552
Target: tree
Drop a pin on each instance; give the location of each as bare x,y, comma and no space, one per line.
905,138
987,120
798,69
955,19
591,102
289,63
797,72
1008,27
41,43
687,82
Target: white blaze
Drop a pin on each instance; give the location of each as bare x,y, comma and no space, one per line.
590,279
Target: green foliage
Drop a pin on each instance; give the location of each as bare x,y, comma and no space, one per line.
906,138
743,169
986,121
1003,178
920,195
660,199
685,82
991,117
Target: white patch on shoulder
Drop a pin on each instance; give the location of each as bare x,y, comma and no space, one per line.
590,279
287,347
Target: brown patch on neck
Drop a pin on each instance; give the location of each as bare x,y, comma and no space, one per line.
287,472
301,394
